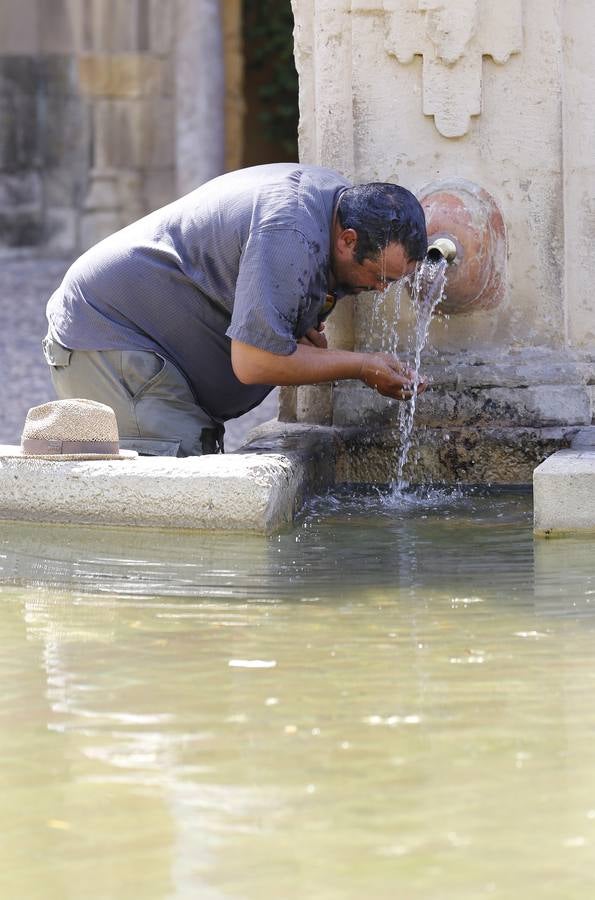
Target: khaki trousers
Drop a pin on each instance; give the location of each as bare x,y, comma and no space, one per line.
155,409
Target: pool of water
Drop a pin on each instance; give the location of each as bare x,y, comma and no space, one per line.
394,700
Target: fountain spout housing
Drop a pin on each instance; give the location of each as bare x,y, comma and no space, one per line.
442,248
461,213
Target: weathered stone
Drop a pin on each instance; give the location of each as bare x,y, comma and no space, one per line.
118,26
161,21
537,406
159,187
564,493
533,406
258,490
21,221
64,132
124,75
102,207
19,134
60,230
584,439
58,75
159,134
134,133
288,404
19,76
231,13
23,189
20,228
132,198
200,122
513,371
315,404
19,30
21,209
58,20
340,326
62,187
119,130
356,404
454,455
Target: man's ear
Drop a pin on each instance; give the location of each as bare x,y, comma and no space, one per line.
347,240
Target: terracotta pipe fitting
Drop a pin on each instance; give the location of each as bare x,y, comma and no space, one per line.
459,213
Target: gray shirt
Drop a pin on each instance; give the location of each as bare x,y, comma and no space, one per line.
245,256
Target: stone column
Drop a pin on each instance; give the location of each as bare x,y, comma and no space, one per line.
323,54
579,179
124,75
231,13
200,93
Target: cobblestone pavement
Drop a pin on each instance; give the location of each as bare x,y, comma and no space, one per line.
26,283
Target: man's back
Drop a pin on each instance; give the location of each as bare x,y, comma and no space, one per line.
245,256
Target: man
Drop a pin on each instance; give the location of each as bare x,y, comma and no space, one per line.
191,315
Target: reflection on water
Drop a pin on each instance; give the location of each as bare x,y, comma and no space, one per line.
397,698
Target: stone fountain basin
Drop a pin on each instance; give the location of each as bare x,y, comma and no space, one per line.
262,487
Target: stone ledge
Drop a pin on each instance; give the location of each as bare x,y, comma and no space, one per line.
496,455
564,493
259,490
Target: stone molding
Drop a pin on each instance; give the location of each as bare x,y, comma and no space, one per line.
452,37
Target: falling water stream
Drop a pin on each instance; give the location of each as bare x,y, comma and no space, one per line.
429,285
427,288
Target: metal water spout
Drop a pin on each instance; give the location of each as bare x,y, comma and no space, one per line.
442,248
466,228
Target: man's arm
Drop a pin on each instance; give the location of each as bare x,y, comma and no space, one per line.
312,365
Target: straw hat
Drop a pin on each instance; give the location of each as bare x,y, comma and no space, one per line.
71,429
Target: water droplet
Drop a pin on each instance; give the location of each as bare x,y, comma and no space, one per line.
252,663
59,824
578,841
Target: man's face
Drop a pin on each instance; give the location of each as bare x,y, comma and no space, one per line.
371,274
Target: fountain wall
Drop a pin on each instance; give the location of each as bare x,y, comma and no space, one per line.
498,96
109,109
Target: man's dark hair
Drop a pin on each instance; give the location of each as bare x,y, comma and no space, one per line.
381,214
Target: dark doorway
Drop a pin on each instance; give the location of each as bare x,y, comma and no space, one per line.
270,83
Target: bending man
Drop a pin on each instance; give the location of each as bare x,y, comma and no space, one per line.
191,315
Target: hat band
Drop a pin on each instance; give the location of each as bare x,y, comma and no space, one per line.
38,447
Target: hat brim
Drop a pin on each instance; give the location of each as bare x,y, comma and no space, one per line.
17,453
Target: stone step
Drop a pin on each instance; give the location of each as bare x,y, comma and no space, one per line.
564,491
258,490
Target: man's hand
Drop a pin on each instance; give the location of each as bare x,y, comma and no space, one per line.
390,377
315,337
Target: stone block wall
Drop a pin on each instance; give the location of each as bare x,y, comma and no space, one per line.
97,98
43,126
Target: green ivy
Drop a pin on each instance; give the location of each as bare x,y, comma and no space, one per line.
268,48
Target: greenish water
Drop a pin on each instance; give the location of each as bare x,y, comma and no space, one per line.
392,701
